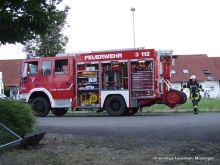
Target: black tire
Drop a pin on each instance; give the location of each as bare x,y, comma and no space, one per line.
59,111
184,97
115,106
132,111
41,106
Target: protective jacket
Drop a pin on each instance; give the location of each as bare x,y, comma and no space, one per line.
194,88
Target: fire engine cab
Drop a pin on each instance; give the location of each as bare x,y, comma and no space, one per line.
116,81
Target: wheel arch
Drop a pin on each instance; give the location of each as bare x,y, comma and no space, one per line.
40,92
115,105
106,94
106,98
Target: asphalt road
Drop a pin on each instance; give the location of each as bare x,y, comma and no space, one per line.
175,127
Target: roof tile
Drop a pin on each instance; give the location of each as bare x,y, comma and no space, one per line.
196,64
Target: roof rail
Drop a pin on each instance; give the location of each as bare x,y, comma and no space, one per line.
94,51
123,49
65,54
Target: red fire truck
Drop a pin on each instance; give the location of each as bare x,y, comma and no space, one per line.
116,81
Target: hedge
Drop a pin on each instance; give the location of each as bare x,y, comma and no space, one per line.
17,116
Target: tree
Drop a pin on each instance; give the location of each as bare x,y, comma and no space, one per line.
23,20
53,41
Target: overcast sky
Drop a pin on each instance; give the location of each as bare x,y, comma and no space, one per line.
185,26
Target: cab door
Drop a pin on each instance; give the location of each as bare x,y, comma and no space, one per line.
30,76
62,81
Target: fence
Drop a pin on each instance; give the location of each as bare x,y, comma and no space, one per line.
8,138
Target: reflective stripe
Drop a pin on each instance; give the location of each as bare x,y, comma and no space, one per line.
194,98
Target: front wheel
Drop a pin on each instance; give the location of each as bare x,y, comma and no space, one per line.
115,105
41,106
59,111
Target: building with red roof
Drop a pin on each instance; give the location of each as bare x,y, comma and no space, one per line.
206,69
9,69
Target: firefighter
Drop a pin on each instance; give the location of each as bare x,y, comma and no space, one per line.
194,88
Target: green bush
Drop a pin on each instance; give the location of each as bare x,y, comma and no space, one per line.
17,116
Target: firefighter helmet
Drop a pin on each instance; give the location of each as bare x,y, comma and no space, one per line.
193,77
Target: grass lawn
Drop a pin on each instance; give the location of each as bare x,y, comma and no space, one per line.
204,105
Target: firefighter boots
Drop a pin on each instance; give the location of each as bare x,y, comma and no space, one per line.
195,110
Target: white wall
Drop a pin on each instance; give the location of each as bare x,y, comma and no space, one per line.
1,84
212,86
177,86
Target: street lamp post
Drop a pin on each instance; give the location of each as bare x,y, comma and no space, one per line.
133,10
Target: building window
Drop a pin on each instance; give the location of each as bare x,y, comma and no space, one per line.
208,74
173,71
210,88
185,71
209,77
14,93
206,71
46,67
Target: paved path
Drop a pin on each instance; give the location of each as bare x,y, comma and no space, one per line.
171,126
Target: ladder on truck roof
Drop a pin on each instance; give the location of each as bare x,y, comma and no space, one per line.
109,50
164,52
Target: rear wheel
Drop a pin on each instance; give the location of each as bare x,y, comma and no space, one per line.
41,106
59,111
115,105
